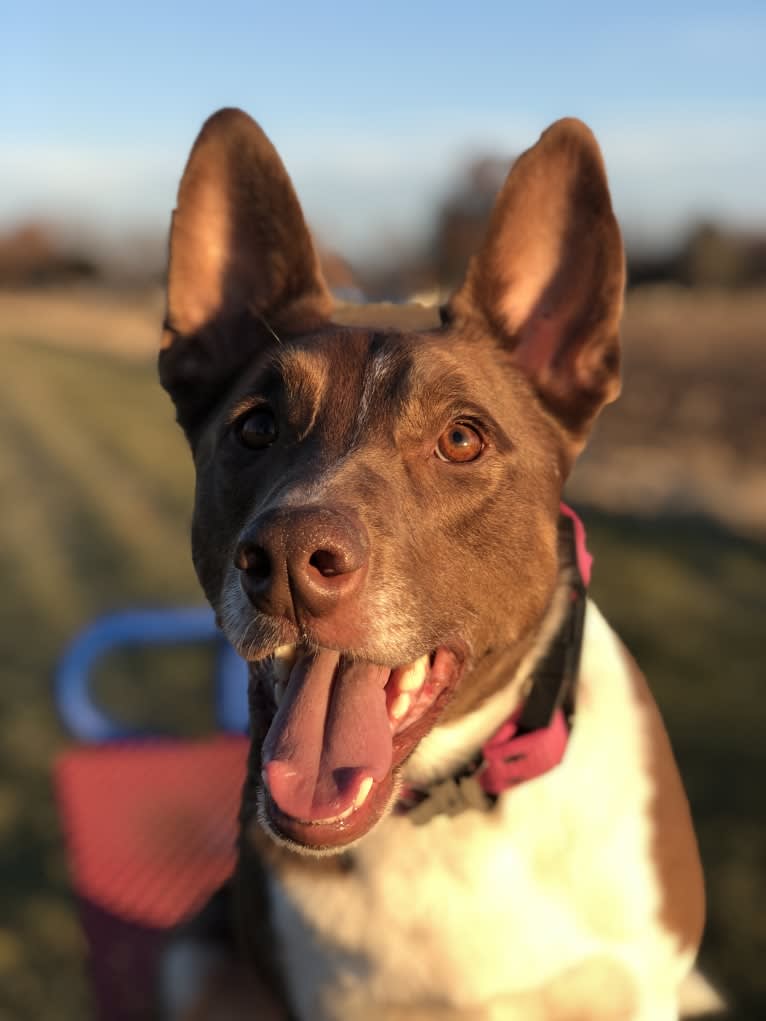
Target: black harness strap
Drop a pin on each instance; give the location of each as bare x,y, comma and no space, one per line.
554,681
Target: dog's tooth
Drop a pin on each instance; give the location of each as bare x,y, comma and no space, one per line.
364,792
400,706
279,690
361,796
284,658
414,675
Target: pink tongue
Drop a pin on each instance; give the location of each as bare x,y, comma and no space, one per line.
330,732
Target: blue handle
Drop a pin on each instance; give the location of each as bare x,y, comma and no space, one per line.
89,723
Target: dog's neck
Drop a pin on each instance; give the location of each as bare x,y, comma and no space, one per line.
508,674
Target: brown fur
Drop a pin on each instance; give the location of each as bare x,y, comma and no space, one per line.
675,849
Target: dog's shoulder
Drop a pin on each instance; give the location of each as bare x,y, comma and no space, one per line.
616,702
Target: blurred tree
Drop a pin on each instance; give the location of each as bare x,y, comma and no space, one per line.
713,257
30,255
461,220
458,225
709,256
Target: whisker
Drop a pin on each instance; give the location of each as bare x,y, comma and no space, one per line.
269,328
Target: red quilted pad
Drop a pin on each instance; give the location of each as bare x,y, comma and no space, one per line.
151,826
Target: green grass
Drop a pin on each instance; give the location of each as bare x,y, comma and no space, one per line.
96,485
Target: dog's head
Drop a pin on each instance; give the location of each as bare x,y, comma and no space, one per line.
377,491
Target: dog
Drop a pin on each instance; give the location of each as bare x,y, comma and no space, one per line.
461,801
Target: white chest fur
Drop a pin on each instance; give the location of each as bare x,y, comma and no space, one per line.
481,906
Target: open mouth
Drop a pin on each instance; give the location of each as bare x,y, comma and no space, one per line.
340,729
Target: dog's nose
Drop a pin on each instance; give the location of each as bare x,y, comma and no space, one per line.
302,560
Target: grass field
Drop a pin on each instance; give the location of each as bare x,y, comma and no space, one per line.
96,486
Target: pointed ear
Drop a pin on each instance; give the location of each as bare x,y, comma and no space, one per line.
549,278
241,263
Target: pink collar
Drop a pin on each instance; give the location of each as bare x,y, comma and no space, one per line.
584,557
516,753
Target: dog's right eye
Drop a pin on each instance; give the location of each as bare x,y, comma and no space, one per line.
459,443
258,429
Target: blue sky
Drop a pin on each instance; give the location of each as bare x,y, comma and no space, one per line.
373,106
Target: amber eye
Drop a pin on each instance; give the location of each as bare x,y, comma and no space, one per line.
459,443
258,429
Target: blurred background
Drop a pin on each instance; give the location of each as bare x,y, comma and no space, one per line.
397,123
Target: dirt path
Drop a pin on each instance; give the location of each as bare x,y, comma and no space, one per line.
123,323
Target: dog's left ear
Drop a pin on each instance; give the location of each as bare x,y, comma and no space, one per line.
549,278
242,264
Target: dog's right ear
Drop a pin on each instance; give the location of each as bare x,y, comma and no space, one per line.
242,263
548,281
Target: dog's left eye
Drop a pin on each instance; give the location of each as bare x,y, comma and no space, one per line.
258,429
459,443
